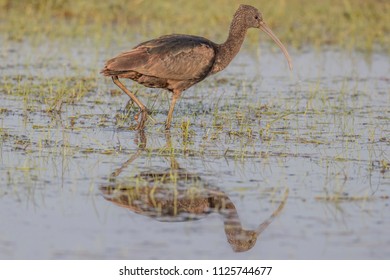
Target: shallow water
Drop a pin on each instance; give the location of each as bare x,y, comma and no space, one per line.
309,147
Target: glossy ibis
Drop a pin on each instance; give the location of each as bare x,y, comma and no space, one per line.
177,62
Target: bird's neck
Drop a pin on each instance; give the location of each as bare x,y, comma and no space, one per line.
228,50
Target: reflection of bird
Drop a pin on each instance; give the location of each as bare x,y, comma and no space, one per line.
176,195
177,62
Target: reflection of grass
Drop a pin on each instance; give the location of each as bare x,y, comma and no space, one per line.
359,23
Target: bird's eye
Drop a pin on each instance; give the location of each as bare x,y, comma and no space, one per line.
256,17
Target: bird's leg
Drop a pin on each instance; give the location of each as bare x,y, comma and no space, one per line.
143,110
175,97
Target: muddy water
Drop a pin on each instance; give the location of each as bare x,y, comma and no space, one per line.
273,164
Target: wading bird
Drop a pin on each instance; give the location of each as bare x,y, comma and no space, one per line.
177,62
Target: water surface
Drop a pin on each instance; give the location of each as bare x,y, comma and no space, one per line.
289,165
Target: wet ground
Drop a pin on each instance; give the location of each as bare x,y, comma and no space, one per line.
260,163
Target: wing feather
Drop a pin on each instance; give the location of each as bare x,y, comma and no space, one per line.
176,57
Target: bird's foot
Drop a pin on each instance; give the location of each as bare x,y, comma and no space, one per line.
141,122
167,125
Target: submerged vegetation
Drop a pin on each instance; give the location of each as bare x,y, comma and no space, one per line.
360,24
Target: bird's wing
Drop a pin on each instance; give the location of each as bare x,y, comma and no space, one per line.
176,57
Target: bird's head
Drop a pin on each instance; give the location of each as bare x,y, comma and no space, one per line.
253,18
243,240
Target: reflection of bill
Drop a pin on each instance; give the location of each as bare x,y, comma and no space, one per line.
176,195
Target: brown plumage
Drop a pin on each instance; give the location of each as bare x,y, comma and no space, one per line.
177,62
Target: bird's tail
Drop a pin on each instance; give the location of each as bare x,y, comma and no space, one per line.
107,72
126,62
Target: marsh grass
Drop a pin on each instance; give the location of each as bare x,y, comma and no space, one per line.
50,92
235,130
360,24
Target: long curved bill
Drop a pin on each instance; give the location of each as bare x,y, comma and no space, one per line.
267,30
